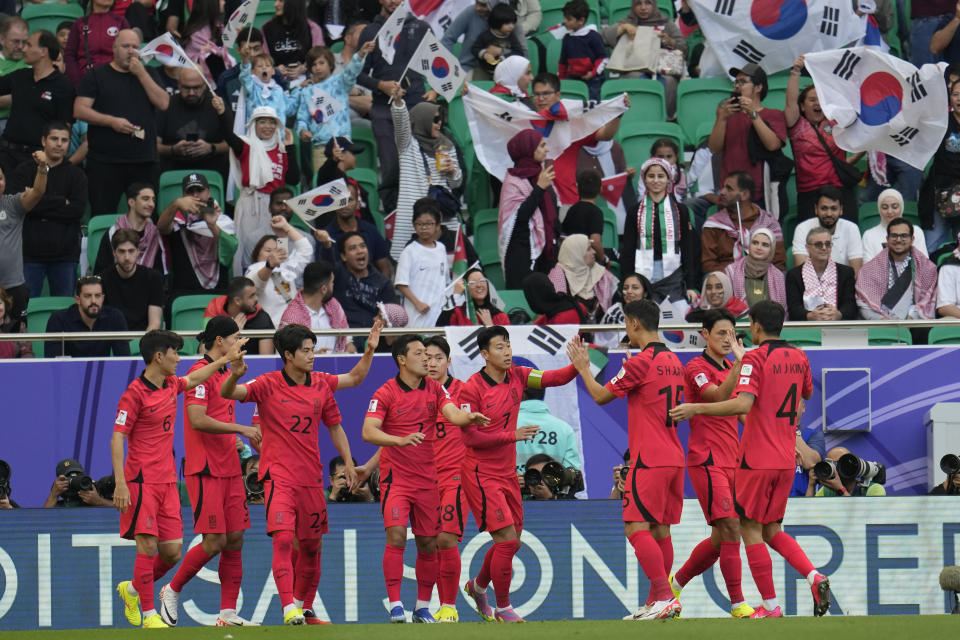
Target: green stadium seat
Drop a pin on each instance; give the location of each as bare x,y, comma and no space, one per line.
790,263
486,85
171,186
39,311
637,138
48,16
187,315
802,337
574,89
265,11
485,231
97,226
697,100
553,14
457,123
944,335
551,62
494,273
610,238
880,336
617,10
513,298
647,100
364,137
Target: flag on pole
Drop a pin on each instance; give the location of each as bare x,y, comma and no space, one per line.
167,52
438,66
327,197
323,106
389,221
772,33
612,188
242,17
391,31
881,103
438,13
459,266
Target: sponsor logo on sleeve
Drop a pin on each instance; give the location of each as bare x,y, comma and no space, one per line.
746,369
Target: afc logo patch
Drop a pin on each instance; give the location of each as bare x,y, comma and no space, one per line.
499,515
747,369
200,391
212,522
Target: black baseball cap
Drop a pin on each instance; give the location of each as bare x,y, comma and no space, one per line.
68,466
192,180
344,143
756,73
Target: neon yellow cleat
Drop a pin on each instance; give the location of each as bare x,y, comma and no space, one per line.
447,614
155,622
742,610
675,588
131,604
294,617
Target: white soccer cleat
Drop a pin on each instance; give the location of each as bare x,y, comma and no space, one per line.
663,609
638,614
229,618
169,603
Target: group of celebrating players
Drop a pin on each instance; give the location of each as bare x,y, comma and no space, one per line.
447,445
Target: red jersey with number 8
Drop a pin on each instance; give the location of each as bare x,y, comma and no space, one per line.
448,449
290,418
778,375
652,382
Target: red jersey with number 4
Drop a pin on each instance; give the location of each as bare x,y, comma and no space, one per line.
652,382
290,419
147,413
448,448
403,410
213,454
714,440
778,375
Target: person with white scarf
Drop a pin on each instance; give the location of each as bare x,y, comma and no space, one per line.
579,274
513,77
890,206
820,289
260,161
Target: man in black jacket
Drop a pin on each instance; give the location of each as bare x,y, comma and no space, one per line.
51,233
820,289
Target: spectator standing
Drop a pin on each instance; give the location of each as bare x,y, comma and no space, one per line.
582,54
948,285
847,245
585,217
43,94
142,202
933,27
361,99
579,274
51,233
900,282
943,182
498,42
88,314
242,304
13,209
890,206
529,14
606,157
469,23
315,306
559,440
278,267
249,46
188,131
261,82
90,42
12,324
137,291
119,101
422,270
289,35
754,278
14,32
820,289
202,39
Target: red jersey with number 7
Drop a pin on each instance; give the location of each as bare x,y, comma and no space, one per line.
652,382
778,375
146,413
290,418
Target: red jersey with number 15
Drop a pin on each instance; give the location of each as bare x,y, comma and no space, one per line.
213,454
448,448
290,419
778,375
652,382
147,413
714,440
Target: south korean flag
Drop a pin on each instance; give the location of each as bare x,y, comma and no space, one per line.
772,33
323,106
327,197
242,17
391,31
881,103
438,66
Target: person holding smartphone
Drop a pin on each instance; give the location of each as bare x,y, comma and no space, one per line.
188,132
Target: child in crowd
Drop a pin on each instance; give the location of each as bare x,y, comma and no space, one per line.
260,89
497,43
585,216
422,271
314,127
582,54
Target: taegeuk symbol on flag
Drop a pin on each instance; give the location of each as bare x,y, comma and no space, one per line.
240,18
438,66
323,106
327,197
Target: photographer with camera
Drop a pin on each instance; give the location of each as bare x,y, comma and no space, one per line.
251,480
5,501
74,488
949,464
339,490
547,479
620,477
842,473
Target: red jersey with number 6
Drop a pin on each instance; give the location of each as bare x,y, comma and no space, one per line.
403,410
778,375
713,439
652,382
448,448
290,419
213,454
146,413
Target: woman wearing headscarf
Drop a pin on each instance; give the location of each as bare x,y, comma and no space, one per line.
890,206
427,158
633,288
578,273
753,276
553,306
513,77
717,294
528,223
659,239
478,306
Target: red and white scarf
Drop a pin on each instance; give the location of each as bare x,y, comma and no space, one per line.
824,286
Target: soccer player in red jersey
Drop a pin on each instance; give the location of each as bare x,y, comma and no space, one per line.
652,382
448,452
146,492
712,457
402,418
489,475
214,482
773,384
292,403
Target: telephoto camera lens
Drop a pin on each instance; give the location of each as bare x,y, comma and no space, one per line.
253,486
624,471
950,464
825,470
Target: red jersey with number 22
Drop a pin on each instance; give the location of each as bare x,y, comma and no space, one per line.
147,414
290,419
448,448
652,382
778,375
714,440
213,454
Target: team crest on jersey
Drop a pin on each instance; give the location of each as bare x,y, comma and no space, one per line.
746,369
122,418
514,396
431,408
701,379
372,407
317,405
200,391
744,380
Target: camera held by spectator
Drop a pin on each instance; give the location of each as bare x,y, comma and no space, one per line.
950,465
74,488
5,501
620,473
547,479
338,491
251,481
845,474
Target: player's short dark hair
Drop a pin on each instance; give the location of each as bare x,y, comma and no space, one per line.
290,338
538,458
769,314
576,9
439,342
713,316
500,15
744,181
124,235
134,189
316,275
588,184
158,341
626,455
487,334
401,345
244,34
54,125
236,287
49,42
900,221
550,79
831,193
646,312
427,206
87,280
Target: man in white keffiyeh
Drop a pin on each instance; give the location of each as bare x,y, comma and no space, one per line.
820,289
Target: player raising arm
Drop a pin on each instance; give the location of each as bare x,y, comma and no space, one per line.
773,384
652,382
146,492
402,419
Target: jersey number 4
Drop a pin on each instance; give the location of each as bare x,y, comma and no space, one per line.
672,395
788,408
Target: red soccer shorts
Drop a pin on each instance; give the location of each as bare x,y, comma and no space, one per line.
302,510
420,506
761,494
653,495
154,511
453,507
495,502
714,489
219,504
